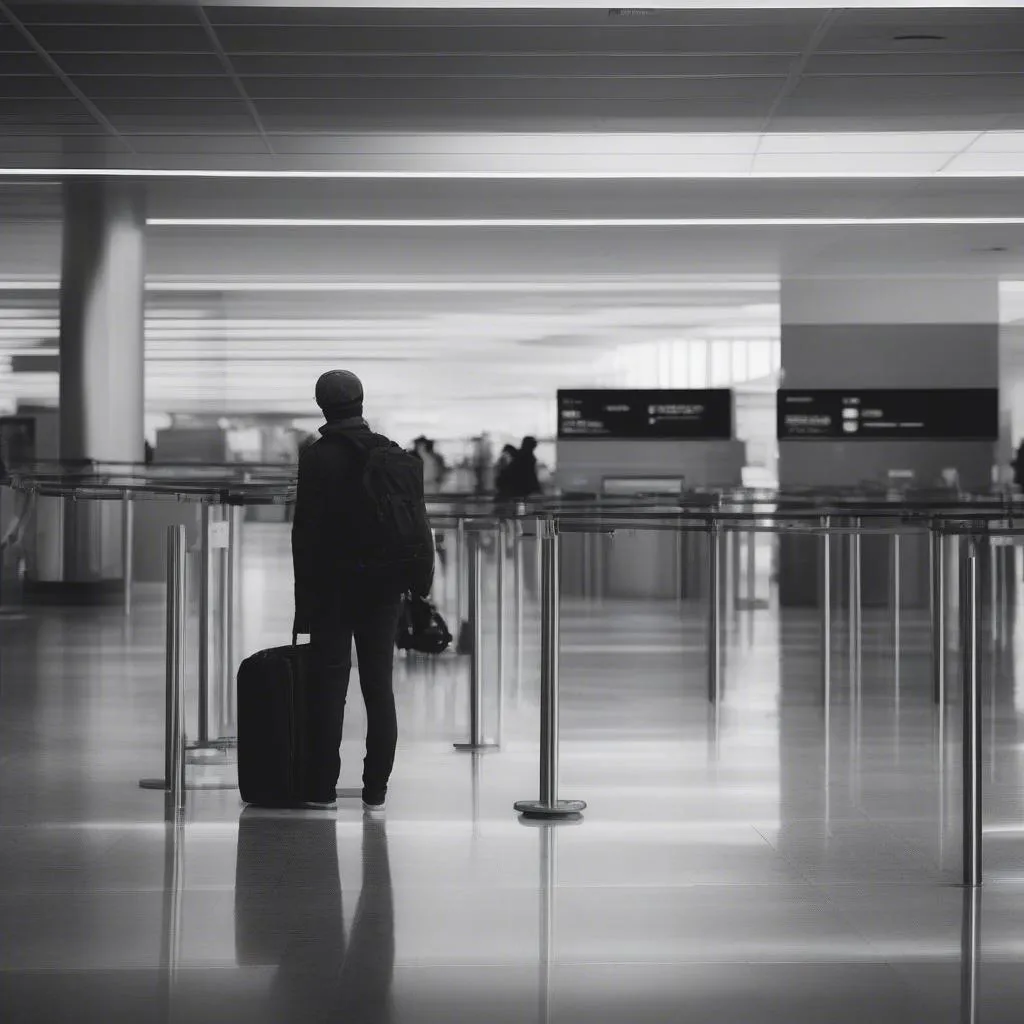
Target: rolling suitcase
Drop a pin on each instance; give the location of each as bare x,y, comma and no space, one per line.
272,726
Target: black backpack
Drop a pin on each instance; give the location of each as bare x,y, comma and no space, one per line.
393,544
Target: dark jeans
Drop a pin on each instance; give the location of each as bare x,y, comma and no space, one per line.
373,626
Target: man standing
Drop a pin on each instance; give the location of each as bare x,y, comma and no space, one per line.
349,578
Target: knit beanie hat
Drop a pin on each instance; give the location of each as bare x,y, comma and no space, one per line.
340,395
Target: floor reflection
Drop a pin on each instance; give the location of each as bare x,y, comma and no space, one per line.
289,913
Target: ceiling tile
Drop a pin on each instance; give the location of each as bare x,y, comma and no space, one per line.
865,142
199,145
876,31
916,63
972,162
32,89
125,64
23,64
513,65
103,14
999,142
317,90
58,39
802,163
139,88
484,39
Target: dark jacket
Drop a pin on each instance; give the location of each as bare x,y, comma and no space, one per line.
519,478
323,538
1018,467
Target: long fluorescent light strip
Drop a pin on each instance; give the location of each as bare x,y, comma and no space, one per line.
55,174
573,222
526,287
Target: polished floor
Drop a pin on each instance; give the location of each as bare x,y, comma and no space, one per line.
763,863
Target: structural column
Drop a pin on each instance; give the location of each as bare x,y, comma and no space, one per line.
865,333
101,366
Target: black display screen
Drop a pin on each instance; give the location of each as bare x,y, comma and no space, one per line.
668,414
947,414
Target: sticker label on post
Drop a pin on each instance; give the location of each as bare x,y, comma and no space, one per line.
219,535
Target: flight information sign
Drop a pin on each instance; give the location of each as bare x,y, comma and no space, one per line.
924,414
665,414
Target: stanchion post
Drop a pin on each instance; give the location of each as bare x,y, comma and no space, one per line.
971,713
938,612
826,609
751,568
499,548
517,584
970,950
896,597
475,553
855,605
714,610
203,728
173,782
549,806
225,618
460,569
127,549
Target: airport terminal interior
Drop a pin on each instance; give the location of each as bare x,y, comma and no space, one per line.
729,725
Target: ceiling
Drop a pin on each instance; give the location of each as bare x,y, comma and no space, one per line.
264,87
324,111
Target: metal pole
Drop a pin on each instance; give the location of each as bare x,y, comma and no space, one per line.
460,565
547,923
826,610
971,714
475,552
855,604
203,728
894,580
127,549
938,610
714,607
733,538
549,806
517,585
234,602
751,568
500,624
175,664
970,950
224,627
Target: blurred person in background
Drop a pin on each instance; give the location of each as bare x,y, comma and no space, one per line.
482,464
1018,466
519,479
501,467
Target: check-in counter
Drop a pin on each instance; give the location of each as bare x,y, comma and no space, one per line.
636,563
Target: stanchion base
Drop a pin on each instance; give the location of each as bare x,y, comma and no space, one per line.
217,752
561,809
159,784
476,748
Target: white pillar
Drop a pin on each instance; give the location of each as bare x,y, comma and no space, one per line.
101,364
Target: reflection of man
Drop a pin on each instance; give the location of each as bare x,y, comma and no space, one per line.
288,912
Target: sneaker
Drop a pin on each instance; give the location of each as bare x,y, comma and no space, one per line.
373,810
320,805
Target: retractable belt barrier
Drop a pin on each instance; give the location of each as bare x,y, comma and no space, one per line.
972,522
